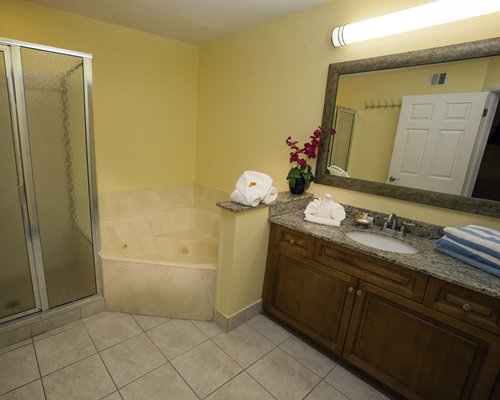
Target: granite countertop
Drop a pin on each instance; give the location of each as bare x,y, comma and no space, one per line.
283,203
427,261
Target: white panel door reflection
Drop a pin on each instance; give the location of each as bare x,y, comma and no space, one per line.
434,141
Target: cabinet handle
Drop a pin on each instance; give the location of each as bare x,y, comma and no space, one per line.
292,241
359,292
350,289
466,307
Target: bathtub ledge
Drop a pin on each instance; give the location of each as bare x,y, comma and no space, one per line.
285,203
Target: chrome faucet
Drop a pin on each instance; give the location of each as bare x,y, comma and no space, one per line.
392,222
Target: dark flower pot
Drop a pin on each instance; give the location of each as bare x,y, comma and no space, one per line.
300,186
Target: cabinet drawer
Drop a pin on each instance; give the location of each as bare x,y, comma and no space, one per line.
464,304
406,282
293,241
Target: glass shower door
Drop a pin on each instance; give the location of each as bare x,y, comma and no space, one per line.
55,112
17,289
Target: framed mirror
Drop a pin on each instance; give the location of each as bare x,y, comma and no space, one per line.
421,126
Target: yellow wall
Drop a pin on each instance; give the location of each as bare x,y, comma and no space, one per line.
263,84
493,75
242,260
145,93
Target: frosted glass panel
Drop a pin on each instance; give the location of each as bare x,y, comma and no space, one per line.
16,290
54,93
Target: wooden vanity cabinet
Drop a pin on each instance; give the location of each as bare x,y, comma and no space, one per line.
314,299
375,319
417,351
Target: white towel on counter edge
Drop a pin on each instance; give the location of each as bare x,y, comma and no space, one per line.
254,187
322,221
337,212
271,196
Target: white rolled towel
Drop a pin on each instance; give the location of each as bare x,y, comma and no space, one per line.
252,188
333,214
271,196
322,221
338,212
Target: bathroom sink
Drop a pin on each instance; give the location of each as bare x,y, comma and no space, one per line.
382,242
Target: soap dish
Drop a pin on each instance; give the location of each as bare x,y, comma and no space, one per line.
363,219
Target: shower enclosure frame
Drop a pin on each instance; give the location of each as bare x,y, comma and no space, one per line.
15,86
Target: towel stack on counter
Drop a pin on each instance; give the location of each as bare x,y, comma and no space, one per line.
325,211
473,244
253,188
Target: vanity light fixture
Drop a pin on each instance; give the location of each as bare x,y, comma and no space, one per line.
429,14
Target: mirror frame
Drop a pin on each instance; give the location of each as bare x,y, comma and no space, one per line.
458,52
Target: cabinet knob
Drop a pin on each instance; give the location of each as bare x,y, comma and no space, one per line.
359,292
466,307
350,289
292,241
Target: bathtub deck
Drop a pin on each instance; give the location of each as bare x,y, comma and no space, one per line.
189,259
189,234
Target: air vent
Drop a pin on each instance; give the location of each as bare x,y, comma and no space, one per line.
438,79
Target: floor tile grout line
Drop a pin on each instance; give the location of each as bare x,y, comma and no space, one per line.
56,333
39,369
121,341
15,348
19,387
295,358
117,343
268,338
100,357
67,365
260,384
312,389
142,376
178,355
304,365
175,369
237,363
337,389
185,381
152,316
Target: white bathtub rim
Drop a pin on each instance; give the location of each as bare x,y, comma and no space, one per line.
163,263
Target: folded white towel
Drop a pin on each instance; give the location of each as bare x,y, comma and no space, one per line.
337,171
333,214
271,196
253,187
322,221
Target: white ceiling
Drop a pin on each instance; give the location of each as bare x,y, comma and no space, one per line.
193,21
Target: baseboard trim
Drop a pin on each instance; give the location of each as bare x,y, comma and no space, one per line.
227,324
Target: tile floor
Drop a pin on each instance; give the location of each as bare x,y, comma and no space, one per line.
114,356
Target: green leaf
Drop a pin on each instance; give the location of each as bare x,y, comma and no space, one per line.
291,182
294,173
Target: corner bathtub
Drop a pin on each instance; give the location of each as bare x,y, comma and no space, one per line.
161,264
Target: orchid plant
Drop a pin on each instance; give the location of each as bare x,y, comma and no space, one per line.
300,155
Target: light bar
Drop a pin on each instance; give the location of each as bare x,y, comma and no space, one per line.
430,14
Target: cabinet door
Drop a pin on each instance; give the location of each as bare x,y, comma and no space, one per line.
311,298
400,343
